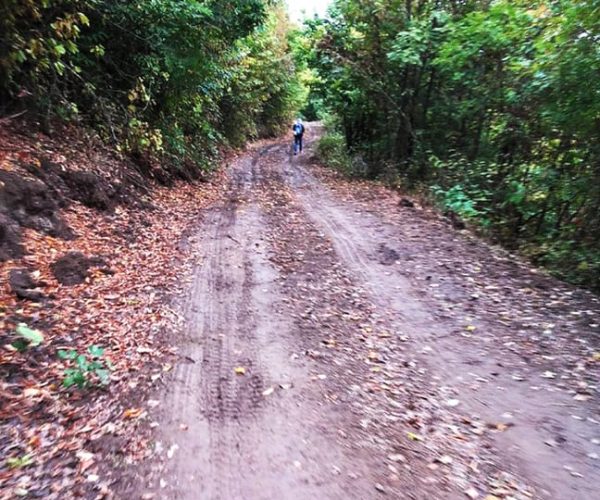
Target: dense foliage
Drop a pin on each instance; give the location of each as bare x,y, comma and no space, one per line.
493,106
175,78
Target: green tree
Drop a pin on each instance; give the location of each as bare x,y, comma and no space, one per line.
493,103
177,79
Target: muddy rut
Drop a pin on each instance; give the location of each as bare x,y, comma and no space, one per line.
318,362
260,433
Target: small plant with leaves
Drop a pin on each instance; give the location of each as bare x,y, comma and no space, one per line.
87,369
27,338
457,200
19,462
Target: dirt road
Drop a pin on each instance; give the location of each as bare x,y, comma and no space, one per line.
340,345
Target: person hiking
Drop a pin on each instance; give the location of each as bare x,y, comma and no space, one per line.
298,130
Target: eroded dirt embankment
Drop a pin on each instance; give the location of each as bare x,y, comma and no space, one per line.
90,247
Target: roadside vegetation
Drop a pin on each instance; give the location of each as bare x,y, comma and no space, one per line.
176,80
491,108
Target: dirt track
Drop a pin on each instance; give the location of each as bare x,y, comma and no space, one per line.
383,353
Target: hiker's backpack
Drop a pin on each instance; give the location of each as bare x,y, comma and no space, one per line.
297,129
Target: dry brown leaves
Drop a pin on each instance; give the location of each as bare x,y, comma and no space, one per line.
53,439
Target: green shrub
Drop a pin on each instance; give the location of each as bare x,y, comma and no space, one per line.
332,151
456,200
85,371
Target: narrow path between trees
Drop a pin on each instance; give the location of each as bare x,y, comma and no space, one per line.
338,344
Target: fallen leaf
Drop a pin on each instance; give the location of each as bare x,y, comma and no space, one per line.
34,337
240,370
171,451
31,392
132,412
18,462
581,397
414,437
84,455
472,493
34,441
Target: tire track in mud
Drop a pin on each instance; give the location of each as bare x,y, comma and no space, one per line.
342,428
454,365
359,244
356,365
378,389
221,437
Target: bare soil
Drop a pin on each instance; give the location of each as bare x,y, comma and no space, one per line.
339,342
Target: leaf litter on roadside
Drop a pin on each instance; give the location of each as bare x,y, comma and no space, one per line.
122,314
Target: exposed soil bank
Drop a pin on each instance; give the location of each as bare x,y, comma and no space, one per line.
90,251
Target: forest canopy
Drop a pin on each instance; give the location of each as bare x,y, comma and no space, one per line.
492,108
174,78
